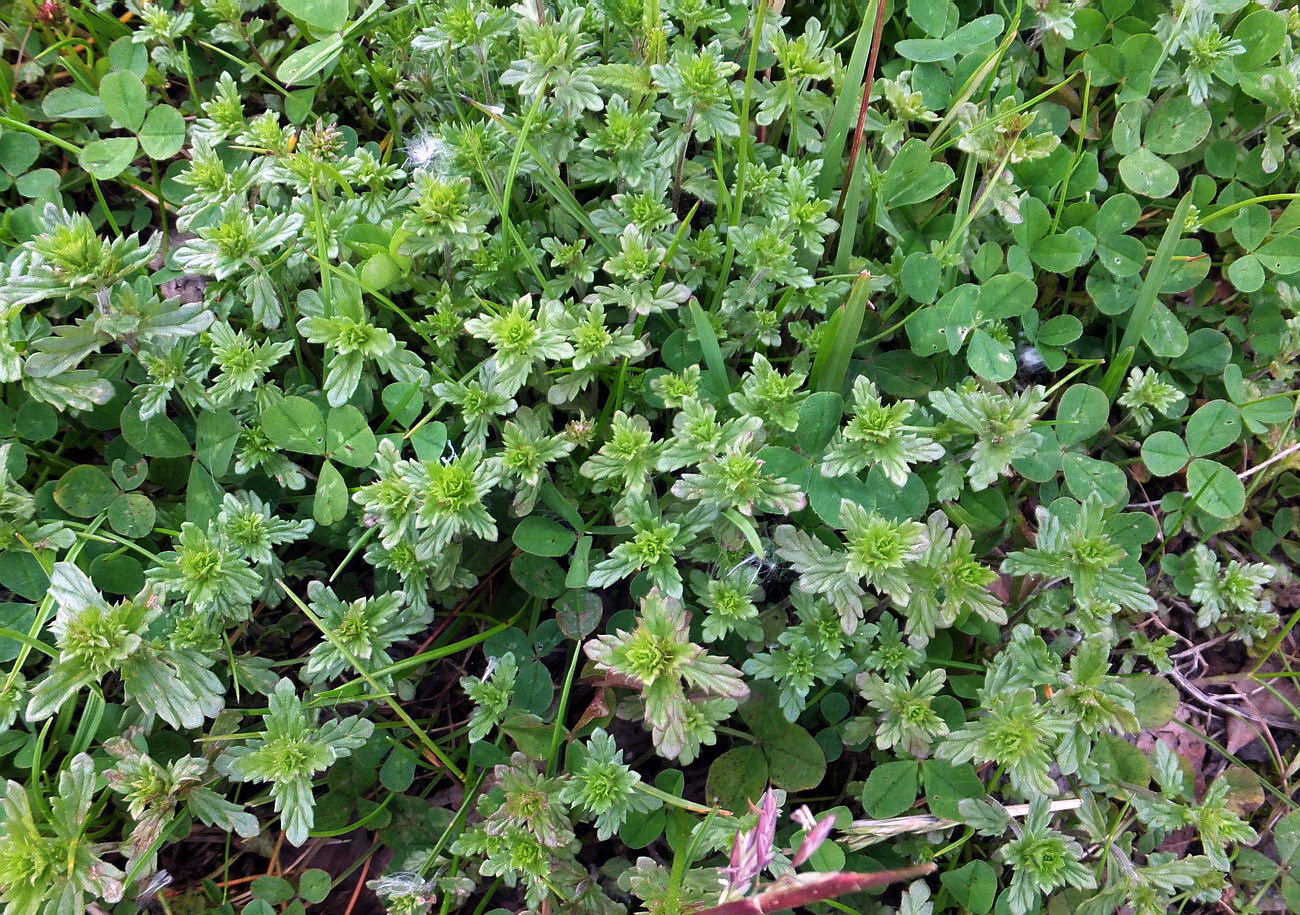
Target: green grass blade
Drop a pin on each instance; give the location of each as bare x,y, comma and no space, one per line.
430,744
557,727
846,108
400,667
28,642
976,78
712,351
502,200
849,217
1146,299
831,364
743,144
549,179
745,141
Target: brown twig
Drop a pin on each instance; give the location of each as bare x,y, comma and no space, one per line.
1212,702
356,890
483,585
1246,474
18,64
274,866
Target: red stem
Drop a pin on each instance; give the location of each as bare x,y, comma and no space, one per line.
806,889
867,85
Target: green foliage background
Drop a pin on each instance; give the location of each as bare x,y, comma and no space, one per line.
516,438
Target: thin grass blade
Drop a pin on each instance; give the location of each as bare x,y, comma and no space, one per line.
1146,299
831,364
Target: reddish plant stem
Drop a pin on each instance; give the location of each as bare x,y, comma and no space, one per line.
356,891
809,888
867,84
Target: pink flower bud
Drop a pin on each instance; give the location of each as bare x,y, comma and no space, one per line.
816,832
752,851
